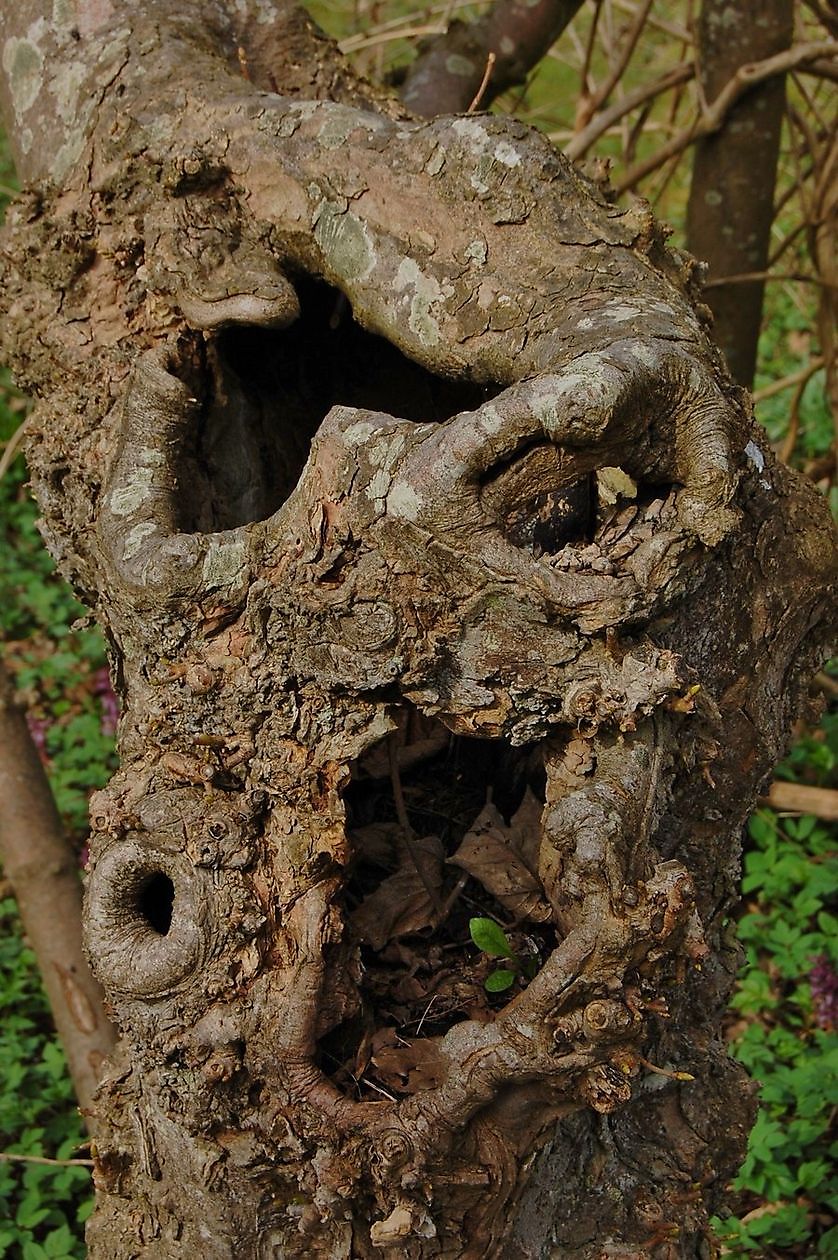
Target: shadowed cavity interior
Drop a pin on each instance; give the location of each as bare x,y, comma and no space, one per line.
415,802
267,392
155,901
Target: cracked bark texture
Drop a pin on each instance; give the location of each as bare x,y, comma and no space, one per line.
315,380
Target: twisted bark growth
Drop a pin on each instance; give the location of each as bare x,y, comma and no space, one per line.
317,382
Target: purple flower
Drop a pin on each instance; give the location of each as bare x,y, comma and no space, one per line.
110,705
824,981
38,728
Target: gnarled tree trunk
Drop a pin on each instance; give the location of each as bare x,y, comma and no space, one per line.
364,435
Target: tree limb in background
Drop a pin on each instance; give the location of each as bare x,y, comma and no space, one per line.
446,77
714,116
44,873
618,68
824,252
644,92
731,204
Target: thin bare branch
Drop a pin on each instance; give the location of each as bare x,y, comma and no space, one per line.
481,91
12,447
600,123
7,1157
45,876
745,78
786,382
748,277
797,798
617,70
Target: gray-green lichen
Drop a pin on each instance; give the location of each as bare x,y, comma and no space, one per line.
23,63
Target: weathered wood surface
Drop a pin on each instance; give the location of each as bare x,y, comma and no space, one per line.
309,371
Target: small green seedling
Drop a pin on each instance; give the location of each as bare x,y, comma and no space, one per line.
491,938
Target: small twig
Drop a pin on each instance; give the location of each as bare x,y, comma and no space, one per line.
673,1076
378,1089
353,43
787,449
822,469
786,242
680,33
786,382
425,1013
452,898
357,43
827,684
822,70
7,1158
585,76
624,57
749,277
12,445
404,823
667,175
484,83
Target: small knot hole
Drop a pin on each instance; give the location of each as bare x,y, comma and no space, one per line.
156,901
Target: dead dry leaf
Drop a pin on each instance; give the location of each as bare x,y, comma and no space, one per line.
401,904
377,843
504,858
405,1067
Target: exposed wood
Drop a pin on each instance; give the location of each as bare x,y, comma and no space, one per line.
798,798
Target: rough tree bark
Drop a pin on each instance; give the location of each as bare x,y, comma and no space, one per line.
352,426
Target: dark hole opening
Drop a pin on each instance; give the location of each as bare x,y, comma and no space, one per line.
415,985
156,902
267,391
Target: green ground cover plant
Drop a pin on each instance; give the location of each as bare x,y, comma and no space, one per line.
42,1206
784,1012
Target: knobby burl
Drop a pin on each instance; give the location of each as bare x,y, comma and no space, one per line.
274,603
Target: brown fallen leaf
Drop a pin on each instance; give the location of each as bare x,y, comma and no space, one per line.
504,858
402,903
404,1066
377,843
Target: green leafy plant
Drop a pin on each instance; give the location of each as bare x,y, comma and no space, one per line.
42,1206
788,996
491,938
60,675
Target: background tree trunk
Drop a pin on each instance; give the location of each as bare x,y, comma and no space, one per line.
375,440
731,204
43,871
473,62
